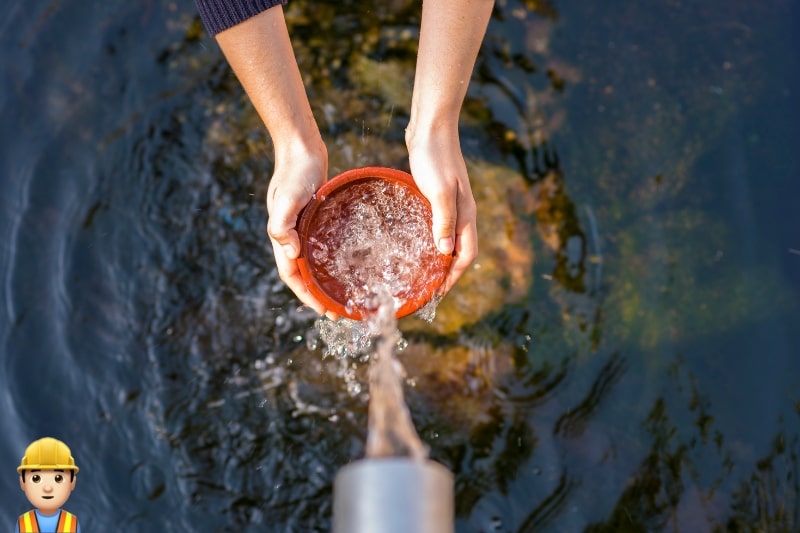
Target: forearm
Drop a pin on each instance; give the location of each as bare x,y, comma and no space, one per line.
450,37
260,52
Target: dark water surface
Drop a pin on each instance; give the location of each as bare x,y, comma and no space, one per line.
624,357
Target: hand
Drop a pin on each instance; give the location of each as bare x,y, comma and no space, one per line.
296,178
440,173
450,36
260,52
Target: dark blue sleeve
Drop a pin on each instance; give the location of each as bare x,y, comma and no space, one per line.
219,15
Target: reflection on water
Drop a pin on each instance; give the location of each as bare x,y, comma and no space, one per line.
621,358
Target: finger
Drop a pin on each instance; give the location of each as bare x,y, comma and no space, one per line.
290,275
281,228
466,250
286,251
286,238
444,218
466,246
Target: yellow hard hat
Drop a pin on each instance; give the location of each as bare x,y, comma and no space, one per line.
47,454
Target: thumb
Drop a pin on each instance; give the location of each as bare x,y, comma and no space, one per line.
444,224
281,230
289,243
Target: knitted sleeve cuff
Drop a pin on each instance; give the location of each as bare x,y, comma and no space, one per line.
219,15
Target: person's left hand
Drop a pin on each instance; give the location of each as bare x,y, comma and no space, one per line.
439,171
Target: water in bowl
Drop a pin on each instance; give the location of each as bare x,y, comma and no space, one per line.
383,240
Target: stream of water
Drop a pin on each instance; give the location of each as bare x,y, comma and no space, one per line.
391,430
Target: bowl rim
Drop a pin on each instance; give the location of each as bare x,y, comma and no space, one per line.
307,215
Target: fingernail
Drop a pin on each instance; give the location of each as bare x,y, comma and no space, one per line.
288,249
445,245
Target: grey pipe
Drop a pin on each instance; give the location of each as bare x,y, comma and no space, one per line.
393,495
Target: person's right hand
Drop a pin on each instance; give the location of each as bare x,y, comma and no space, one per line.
297,177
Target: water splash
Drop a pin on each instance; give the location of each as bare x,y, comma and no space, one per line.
376,340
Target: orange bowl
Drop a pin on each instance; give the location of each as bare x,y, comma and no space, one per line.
365,231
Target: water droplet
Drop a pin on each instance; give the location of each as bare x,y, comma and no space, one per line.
354,388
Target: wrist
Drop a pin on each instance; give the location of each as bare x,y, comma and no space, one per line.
299,147
431,132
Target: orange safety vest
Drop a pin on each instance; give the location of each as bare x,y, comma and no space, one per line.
67,522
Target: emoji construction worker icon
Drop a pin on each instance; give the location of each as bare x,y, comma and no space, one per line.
47,477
